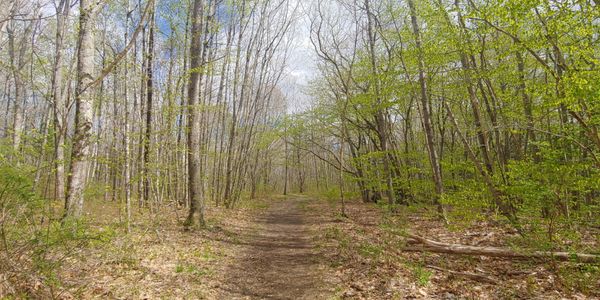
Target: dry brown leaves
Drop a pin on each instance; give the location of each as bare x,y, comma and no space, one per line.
365,253
158,259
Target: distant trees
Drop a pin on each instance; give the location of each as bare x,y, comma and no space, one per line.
487,110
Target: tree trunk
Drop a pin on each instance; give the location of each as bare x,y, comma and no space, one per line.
60,106
380,120
127,136
83,111
149,95
438,247
193,124
426,114
17,60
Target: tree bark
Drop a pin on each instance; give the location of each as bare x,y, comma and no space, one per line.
149,96
193,125
83,111
17,59
380,119
127,134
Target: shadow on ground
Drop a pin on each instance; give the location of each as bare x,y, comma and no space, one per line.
278,260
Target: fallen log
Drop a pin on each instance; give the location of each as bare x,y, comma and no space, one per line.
439,247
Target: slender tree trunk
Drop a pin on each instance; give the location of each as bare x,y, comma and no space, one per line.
467,69
83,111
127,134
181,193
149,95
426,113
382,128
341,174
60,106
499,200
285,183
17,61
193,124
527,106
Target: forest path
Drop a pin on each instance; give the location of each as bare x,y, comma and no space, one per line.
277,258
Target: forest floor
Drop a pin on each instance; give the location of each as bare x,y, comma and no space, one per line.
262,250
299,247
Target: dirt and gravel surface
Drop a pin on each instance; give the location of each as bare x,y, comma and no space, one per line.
277,259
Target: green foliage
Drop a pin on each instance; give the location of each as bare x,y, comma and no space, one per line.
18,202
255,204
421,274
207,253
554,194
95,190
332,194
35,241
334,233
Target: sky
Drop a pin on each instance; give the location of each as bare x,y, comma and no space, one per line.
301,66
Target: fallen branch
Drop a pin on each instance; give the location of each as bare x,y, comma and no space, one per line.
477,277
438,247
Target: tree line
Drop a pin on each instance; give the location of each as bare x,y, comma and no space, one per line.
483,109
149,103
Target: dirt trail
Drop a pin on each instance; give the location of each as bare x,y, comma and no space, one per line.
277,259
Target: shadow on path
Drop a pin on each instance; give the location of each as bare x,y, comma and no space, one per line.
278,260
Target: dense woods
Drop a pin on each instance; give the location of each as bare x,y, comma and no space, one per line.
470,113
151,91
477,108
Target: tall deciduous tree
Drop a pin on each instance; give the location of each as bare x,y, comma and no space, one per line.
196,211
58,97
80,154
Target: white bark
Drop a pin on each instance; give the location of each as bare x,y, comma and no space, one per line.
60,107
80,154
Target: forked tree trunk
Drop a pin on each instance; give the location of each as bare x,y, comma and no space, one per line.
381,122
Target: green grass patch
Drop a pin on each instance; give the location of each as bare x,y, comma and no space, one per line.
370,250
191,269
207,253
421,275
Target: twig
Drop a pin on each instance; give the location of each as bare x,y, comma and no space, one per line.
477,277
